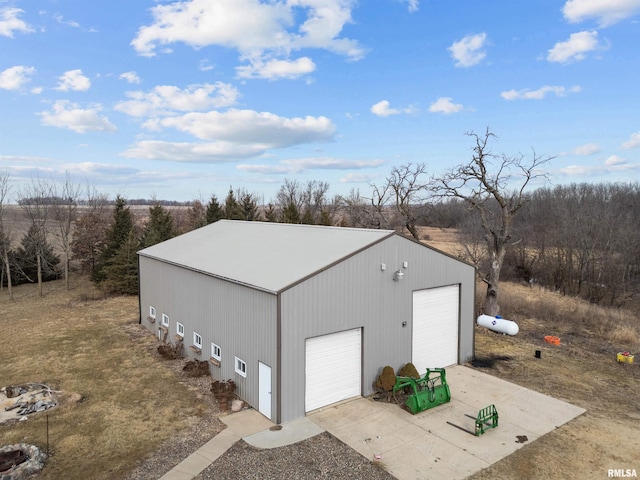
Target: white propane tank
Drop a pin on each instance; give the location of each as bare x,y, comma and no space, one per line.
498,324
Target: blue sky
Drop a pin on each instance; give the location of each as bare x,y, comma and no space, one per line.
180,100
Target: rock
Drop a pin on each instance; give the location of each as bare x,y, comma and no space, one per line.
237,405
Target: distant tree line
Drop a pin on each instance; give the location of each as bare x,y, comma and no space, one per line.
578,239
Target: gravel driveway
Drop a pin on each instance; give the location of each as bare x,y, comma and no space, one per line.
320,457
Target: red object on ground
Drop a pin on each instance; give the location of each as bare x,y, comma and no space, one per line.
552,340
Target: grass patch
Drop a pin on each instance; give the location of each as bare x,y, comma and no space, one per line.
550,313
79,342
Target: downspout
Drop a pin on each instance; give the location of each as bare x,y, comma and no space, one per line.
139,300
278,358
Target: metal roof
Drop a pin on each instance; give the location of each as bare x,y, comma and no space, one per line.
263,255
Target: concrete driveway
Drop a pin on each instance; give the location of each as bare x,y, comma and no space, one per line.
425,446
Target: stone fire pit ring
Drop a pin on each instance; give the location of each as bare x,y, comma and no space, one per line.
35,459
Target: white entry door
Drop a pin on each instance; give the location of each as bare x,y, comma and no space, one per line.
264,387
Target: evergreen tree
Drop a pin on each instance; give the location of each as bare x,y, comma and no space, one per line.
307,218
290,213
117,233
196,216
214,211
232,209
270,213
249,207
121,272
35,249
88,239
159,227
325,218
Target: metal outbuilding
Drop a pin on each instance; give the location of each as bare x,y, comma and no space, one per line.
303,316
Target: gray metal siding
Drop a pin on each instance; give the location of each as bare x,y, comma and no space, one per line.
357,293
241,320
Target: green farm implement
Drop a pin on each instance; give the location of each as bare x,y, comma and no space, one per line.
424,392
486,418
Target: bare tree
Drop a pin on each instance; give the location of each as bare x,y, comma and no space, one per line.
5,234
289,201
408,186
366,212
35,201
309,204
494,188
65,212
379,206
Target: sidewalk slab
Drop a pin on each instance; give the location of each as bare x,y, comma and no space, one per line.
289,433
246,422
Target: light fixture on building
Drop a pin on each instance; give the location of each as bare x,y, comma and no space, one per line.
398,275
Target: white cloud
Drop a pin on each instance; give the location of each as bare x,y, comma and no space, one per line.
575,48
92,168
274,69
540,93
606,12
412,5
205,66
469,51
573,170
65,114
73,80
131,77
587,149
614,160
357,177
10,23
445,105
71,23
383,109
14,78
633,142
211,152
612,165
260,31
296,166
231,136
167,99
251,127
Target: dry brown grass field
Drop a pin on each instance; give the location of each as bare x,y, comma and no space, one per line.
133,402
91,349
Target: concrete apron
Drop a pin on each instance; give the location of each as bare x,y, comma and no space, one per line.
426,446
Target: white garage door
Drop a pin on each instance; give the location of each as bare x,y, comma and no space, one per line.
435,328
332,368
